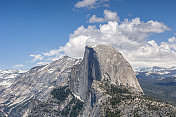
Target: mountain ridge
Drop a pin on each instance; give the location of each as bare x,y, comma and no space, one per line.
102,84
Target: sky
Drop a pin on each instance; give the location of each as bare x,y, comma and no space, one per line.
37,32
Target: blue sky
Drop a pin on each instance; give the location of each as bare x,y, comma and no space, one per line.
32,27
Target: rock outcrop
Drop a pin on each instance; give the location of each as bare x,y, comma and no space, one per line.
102,63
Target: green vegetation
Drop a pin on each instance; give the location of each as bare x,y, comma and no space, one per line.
61,93
136,114
152,107
112,89
67,109
118,94
139,104
73,108
117,89
110,113
115,100
76,108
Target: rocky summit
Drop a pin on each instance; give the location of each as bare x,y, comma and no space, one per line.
102,63
102,84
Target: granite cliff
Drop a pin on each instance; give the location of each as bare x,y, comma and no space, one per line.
102,63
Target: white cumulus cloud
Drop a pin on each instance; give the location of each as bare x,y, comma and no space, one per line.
130,37
51,52
153,54
125,36
108,16
37,57
91,3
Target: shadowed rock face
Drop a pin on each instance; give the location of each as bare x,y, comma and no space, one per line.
102,63
83,74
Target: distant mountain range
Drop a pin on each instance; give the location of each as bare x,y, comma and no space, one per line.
158,82
7,77
161,71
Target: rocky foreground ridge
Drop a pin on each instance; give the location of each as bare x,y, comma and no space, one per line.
103,84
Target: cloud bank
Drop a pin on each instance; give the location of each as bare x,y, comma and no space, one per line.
130,37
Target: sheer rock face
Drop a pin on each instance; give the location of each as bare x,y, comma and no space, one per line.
102,63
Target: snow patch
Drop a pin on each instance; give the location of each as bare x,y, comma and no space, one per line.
44,67
50,70
5,83
78,97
